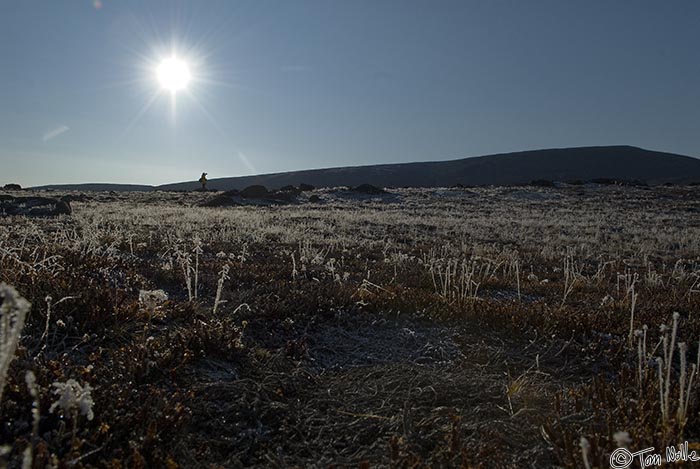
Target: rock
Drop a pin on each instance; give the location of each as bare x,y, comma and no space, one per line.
288,188
12,187
368,189
34,206
255,192
314,199
306,187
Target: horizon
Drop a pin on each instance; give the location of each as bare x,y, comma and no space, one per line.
302,170
276,88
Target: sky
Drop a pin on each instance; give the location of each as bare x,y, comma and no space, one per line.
280,86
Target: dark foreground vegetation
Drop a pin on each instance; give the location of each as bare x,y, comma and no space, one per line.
511,327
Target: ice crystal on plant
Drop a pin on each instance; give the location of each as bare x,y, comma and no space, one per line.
73,398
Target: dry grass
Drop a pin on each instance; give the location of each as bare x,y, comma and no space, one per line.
427,328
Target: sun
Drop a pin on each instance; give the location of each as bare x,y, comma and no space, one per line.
173,74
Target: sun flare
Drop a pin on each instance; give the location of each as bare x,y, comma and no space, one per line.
173,74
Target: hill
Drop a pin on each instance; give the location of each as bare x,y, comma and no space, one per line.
98,187
559,164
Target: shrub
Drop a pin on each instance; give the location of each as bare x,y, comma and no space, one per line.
255,192
368,189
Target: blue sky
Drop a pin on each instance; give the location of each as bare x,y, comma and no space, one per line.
287,85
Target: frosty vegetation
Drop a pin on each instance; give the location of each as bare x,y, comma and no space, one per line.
511,327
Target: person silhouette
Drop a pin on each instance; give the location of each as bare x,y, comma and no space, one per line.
203,181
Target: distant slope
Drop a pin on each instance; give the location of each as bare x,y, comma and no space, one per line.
566,164
98,187
560,164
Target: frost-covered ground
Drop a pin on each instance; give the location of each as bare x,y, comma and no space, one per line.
417,328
